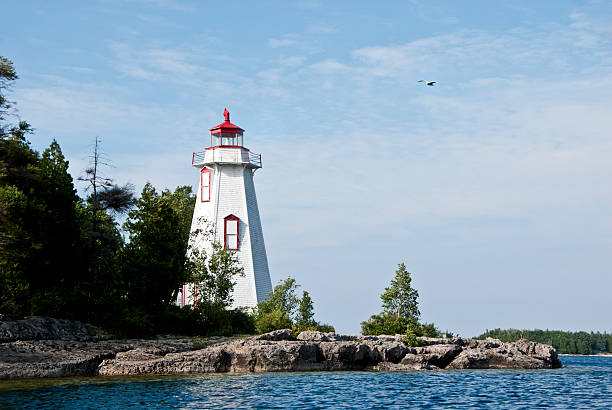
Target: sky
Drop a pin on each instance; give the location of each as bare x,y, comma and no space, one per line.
493,186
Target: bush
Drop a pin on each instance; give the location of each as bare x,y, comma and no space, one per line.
282,309
242,322
268,321
384,324
180,321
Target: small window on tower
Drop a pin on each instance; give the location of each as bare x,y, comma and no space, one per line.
231,232
205,176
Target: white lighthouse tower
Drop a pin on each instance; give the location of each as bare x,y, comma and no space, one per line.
226,208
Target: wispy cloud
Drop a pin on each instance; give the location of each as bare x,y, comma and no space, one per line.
160,4
287,40
76,69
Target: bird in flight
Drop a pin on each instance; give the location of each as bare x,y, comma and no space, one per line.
430,83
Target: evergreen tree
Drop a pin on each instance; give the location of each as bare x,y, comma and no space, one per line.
154,260
182,201
59,272
400,313
305,312
282,309
21,208
400,299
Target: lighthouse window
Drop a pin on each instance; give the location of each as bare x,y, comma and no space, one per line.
216,140
205,176
231,232
229,139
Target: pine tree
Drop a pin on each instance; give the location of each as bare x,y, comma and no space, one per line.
154,259
305,312
400,299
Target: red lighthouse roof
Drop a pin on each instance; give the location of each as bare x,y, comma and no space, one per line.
226,126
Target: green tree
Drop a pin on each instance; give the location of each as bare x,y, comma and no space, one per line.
154,260
215,275
39,231
105,194
400,299
305,312
277,310
56,284
21,208
282,309
182,200
8,74
400,313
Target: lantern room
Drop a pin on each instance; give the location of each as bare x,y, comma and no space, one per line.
226,134
226,147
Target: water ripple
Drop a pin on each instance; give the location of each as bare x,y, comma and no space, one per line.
584,382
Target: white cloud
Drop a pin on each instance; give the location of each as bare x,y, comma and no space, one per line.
329,66
287,41
292,61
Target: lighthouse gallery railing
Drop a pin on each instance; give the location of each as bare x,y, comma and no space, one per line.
227,155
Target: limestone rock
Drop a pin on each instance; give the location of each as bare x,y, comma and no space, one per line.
276,335
271,352
46,328
315,336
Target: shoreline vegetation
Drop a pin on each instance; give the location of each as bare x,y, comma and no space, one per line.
575,343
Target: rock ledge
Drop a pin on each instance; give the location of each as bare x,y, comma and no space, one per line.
79,355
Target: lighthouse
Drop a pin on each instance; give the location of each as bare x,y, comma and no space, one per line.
226,211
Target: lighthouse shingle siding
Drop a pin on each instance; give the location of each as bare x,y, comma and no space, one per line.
233,193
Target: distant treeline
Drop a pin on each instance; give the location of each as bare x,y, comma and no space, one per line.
564,342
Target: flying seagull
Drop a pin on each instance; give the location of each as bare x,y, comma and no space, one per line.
430,83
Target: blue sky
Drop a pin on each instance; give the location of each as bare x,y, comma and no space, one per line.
493,187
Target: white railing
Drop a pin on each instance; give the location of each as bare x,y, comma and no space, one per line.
226,155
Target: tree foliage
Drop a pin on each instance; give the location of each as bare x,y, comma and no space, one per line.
153,259
564,342
400,313
400,299
282,309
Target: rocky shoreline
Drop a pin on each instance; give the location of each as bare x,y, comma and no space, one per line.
43,347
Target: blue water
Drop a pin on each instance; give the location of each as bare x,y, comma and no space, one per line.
583,382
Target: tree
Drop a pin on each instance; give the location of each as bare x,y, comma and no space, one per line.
400,299
276,311
215,275
39,258
21,209
282,309
400,313
7,76
153,260
59,277
214,278
105,194
305,312
182,200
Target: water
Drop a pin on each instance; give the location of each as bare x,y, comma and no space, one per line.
583,382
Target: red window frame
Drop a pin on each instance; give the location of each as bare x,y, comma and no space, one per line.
231,218
204,177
